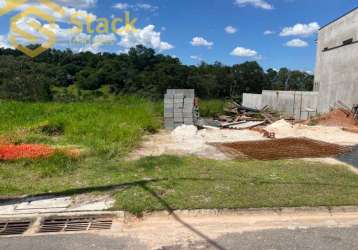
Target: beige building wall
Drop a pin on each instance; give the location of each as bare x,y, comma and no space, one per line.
336,73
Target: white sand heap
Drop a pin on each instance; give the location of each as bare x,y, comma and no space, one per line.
336,135
188,140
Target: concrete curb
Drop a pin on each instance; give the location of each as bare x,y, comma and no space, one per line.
121,219
254,211
123,215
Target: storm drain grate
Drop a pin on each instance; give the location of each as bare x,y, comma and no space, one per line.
14,227
73,224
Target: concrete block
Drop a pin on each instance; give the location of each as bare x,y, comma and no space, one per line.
169,106
187,110
168,115
189,101
168,97
169,102
178,105
179,96
178,101
188,114
189,92
178,119
170,91
168,122
178,124
168,109
185,92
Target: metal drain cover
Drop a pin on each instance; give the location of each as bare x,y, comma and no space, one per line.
19,227
73,224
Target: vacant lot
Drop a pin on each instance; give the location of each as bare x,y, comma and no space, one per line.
107,131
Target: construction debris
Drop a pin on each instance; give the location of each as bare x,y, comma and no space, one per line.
241,117
355,112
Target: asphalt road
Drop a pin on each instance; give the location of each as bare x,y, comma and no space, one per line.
317,239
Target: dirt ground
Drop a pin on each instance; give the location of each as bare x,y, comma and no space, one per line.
335,135
188,140
287,148
336,118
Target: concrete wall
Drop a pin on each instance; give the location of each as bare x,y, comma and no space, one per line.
336,73
252,100
292,103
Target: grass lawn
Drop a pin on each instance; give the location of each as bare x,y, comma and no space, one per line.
109,130
211,108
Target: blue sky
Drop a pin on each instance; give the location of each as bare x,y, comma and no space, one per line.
229,31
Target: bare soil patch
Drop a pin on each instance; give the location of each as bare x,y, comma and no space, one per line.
288,148
337,118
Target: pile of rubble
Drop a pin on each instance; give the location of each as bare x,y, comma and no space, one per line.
240,117
342,118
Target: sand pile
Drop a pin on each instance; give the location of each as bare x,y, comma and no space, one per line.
335,135
188,140
337,118
184,132
280,125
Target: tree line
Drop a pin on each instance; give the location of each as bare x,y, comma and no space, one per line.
141,71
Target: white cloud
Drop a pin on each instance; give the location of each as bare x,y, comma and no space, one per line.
262,4
297,43
88,48
105,39
230,30
146,6
4,43
300,29
146,36
197,58
243,52
65,37
269,32
121,6
79,14
136,7
77,3
200,41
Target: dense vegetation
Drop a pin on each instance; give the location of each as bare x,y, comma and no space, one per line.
67,76
86,125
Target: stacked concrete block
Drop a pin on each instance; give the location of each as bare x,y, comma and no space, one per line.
179,108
